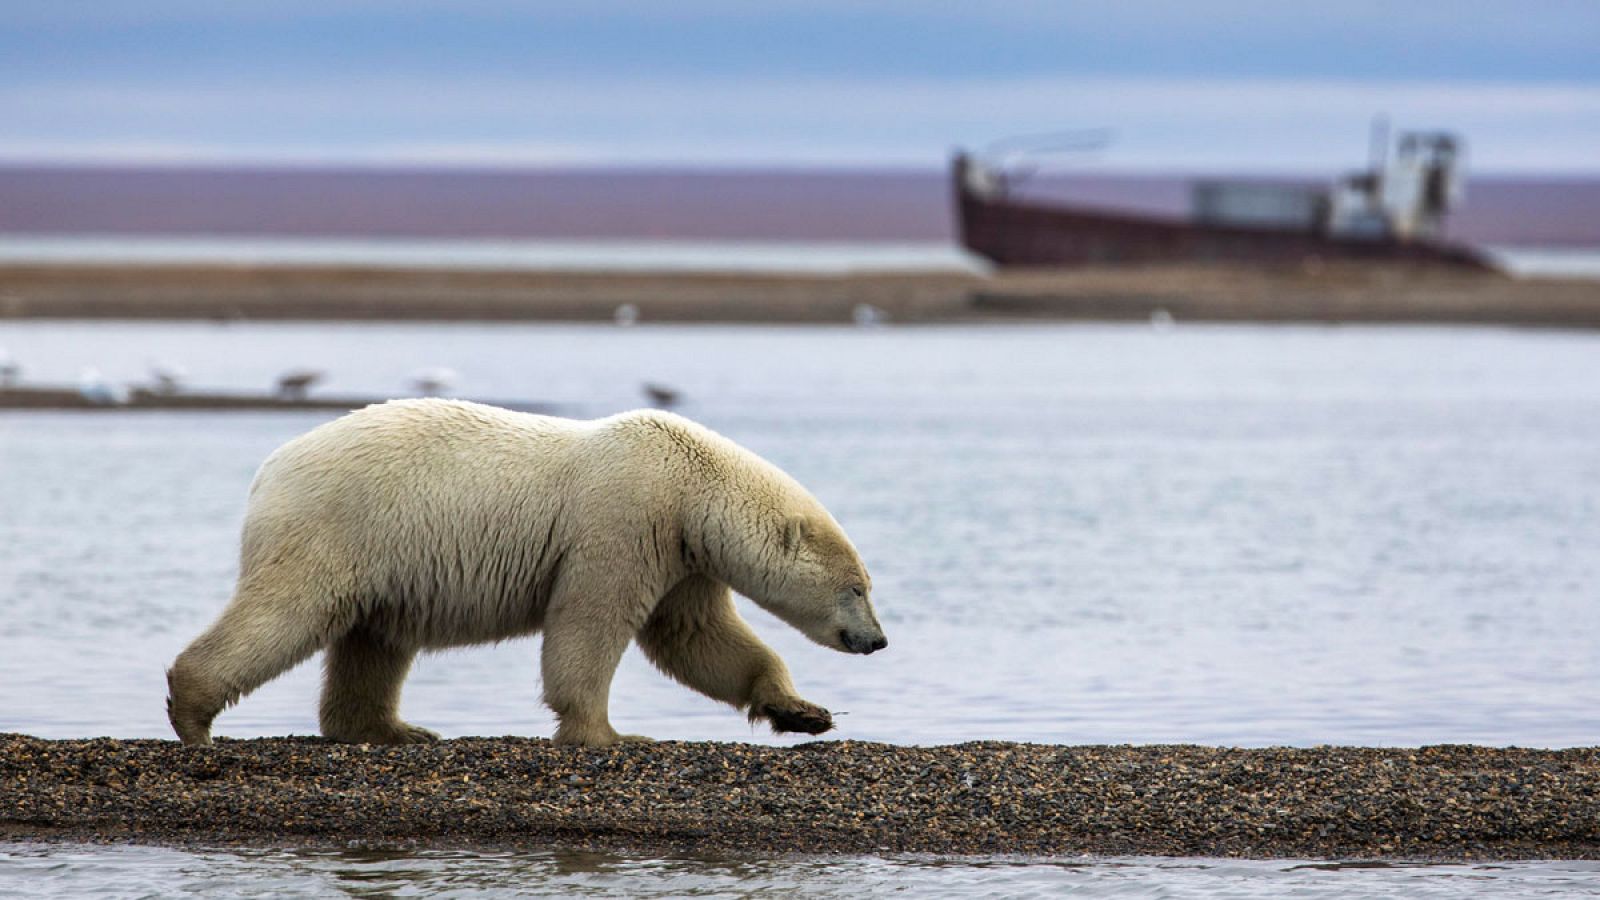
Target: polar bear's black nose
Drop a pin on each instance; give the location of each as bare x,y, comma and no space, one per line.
862,644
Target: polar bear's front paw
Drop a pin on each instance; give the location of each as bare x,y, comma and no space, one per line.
796,715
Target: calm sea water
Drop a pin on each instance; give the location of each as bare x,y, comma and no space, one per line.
1224,535
148,872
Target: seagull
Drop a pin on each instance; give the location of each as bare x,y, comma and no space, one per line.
10,369
293,384
866,315
93,387
168,377
626,314
661,395
433,381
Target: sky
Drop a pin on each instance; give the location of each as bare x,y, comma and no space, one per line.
1233,85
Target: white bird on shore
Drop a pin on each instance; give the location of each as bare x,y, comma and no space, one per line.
433,381
93,387
168,378
865,315
626,314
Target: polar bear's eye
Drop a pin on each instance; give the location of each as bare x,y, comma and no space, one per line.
856,589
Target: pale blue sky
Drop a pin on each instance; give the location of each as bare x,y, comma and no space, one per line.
1240,84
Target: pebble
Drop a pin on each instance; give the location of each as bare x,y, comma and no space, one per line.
1437,803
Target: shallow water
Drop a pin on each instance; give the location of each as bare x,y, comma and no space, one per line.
149,872
1105,534
1077,534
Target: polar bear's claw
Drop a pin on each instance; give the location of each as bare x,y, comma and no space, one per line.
805,718
414,734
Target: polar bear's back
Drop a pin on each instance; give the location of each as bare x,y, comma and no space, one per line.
445,508
415,452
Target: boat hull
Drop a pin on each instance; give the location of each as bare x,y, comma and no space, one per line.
1022,233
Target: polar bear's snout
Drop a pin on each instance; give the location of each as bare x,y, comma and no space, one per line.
859,631
862,643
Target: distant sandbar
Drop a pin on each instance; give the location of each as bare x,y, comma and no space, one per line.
1335,294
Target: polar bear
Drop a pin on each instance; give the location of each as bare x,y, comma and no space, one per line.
423,524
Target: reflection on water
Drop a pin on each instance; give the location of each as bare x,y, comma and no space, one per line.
142,871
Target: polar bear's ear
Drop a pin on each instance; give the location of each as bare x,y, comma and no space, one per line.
794,531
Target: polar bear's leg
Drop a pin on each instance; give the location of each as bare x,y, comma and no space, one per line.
258,637
361,691
696,636
586,630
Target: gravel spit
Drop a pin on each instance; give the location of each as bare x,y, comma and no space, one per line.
1447,802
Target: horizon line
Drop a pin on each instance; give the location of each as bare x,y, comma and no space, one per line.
699,167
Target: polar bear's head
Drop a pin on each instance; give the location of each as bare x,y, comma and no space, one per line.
784,551
746,523
822,587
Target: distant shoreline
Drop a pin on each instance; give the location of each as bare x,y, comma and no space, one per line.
1434,803
660,202
1332,294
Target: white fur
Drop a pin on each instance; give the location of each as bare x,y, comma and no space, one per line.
429,523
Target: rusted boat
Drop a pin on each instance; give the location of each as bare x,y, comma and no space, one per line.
1392,213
